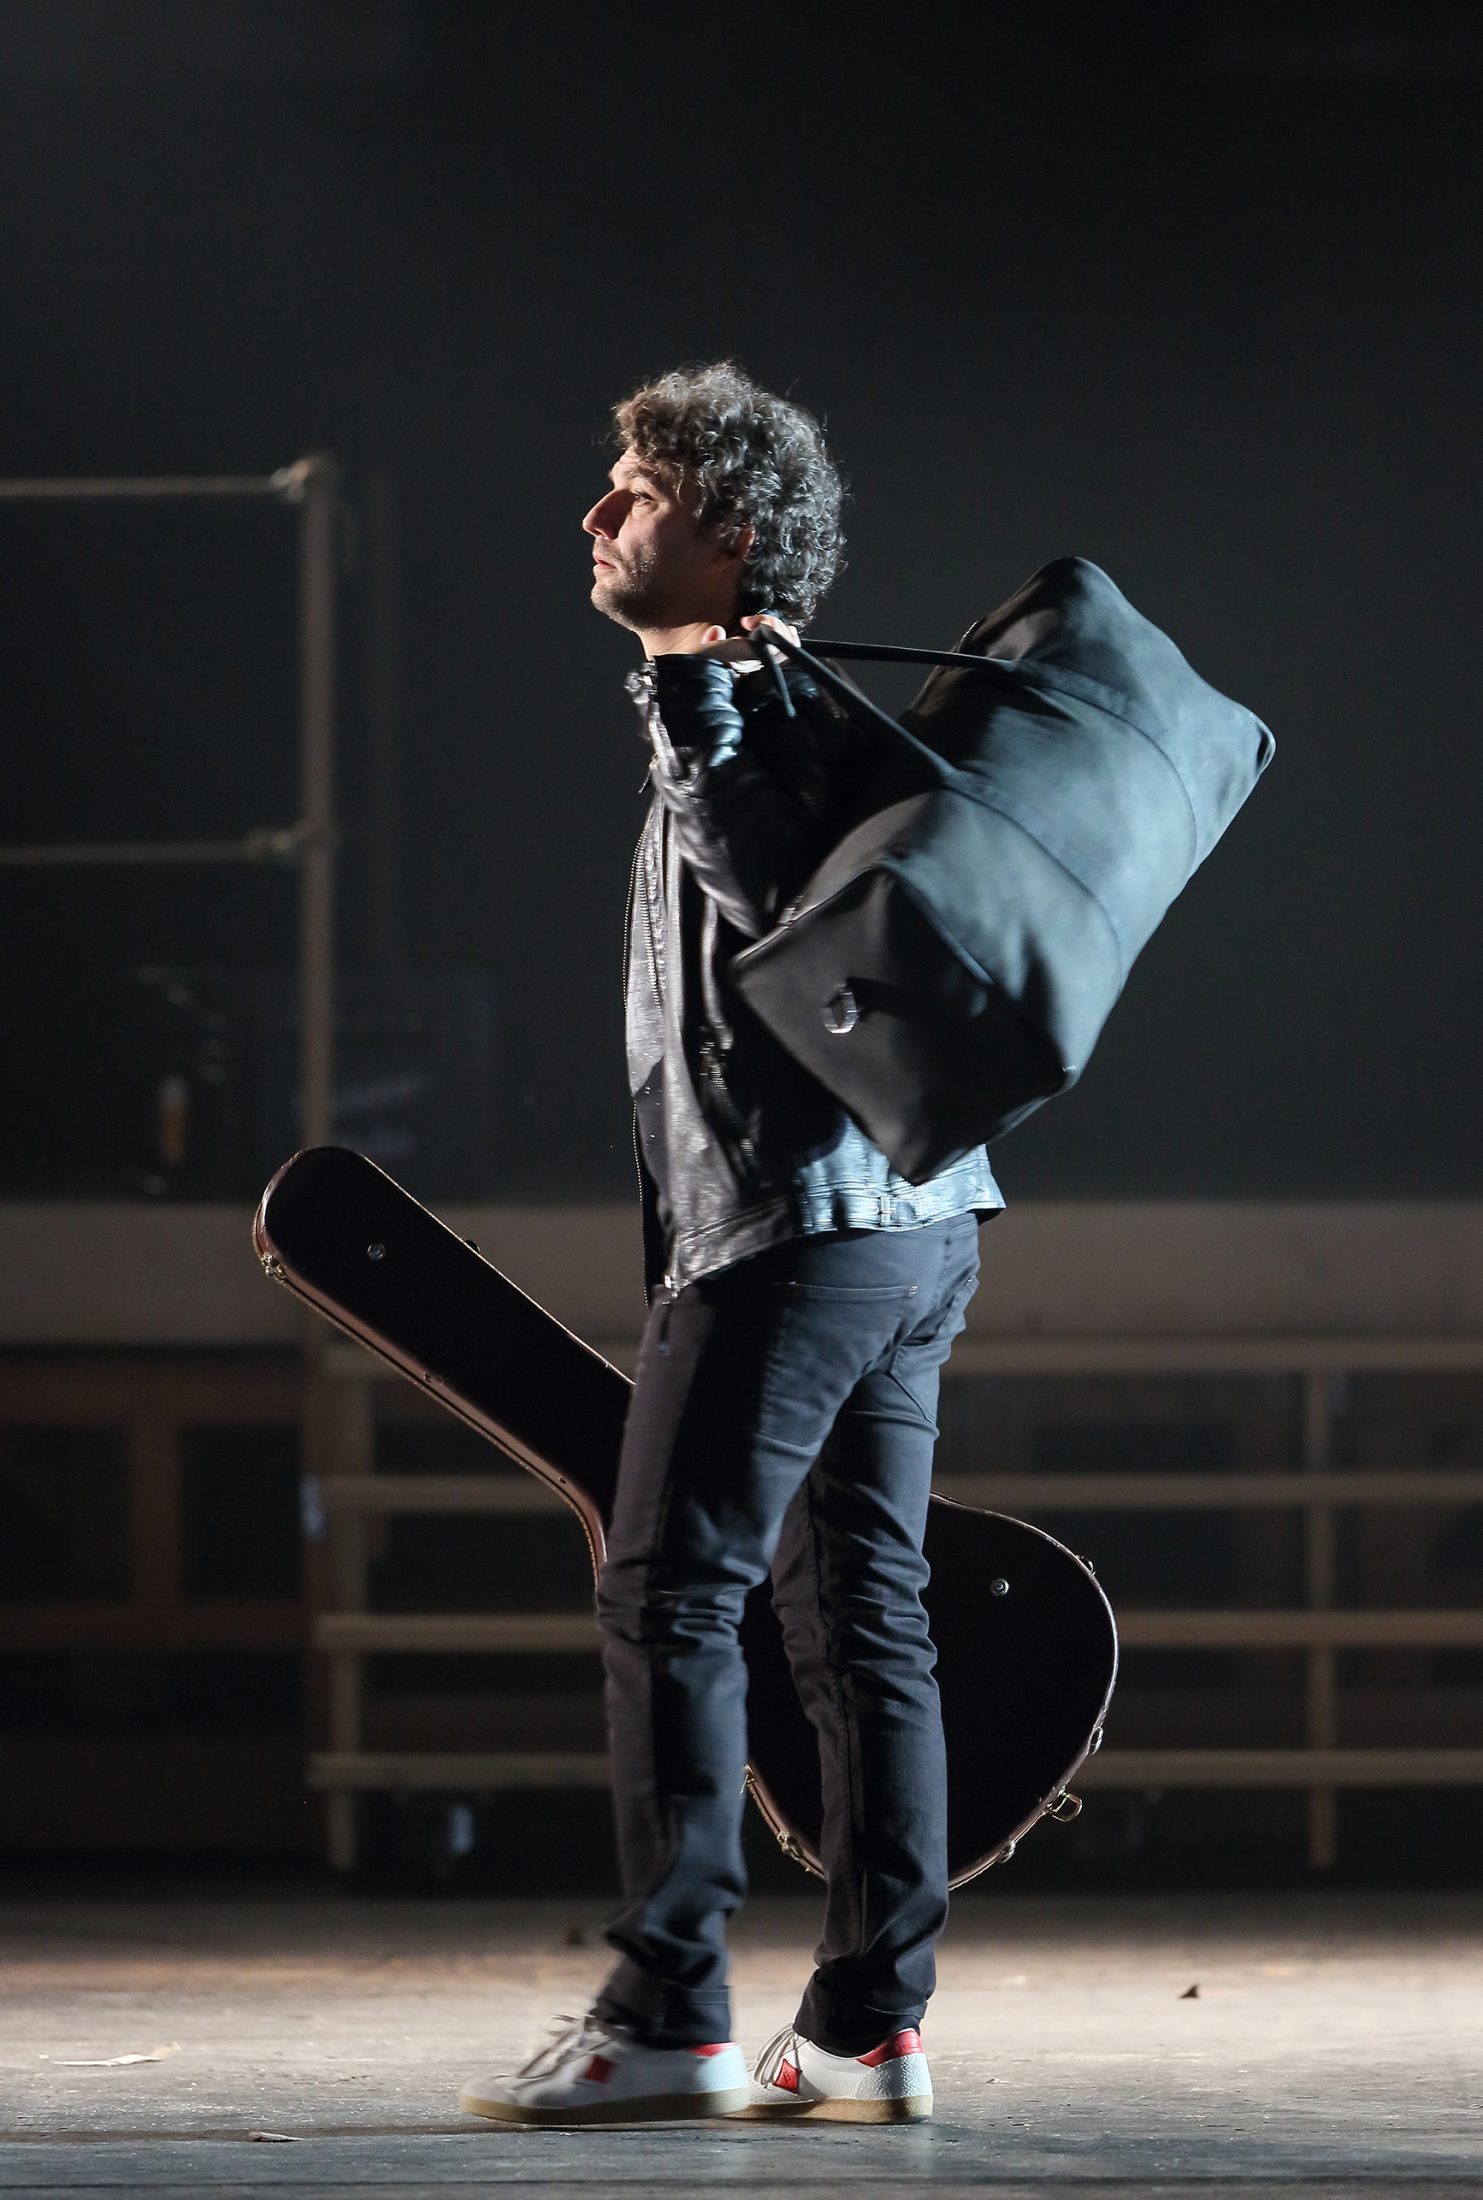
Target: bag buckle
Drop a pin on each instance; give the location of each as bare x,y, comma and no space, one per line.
841,1011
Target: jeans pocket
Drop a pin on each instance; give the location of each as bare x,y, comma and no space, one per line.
948,1319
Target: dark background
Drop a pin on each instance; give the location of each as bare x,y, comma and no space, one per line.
1192,291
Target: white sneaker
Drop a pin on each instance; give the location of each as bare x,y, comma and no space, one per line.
889,2085
589,2075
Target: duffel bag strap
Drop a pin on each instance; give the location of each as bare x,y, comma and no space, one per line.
854,699
893,653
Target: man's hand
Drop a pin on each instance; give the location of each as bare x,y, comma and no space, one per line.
732,649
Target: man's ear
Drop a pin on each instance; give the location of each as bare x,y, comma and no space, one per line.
740,547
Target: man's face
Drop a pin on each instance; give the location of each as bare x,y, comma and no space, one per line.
653,566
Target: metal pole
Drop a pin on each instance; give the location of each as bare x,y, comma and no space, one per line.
320,480
316,488
127,488
1318,1571
383,711
265,844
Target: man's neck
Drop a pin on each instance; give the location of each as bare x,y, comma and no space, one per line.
666,641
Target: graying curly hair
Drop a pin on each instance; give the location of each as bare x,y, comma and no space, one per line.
759,462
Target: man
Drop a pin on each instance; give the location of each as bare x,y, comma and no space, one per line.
802,1299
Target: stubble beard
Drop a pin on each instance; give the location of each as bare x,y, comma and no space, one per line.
629,595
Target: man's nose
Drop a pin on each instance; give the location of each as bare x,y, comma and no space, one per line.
603,519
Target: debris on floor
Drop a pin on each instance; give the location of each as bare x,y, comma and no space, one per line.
111,2062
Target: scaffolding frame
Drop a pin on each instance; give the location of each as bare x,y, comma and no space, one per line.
311,483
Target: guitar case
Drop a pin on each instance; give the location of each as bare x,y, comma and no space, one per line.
1026,1642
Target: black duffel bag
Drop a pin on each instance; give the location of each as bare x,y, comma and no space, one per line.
951,962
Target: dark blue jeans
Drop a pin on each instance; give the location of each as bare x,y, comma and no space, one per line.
783,1418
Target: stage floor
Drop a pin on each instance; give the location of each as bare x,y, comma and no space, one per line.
1335,2046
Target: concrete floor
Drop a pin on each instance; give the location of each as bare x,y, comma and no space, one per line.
1335,2046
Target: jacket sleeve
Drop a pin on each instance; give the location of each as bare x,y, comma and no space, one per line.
750,831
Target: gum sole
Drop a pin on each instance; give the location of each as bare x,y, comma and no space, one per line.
915,2109
656,2108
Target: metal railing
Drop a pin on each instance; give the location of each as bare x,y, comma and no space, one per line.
353,1496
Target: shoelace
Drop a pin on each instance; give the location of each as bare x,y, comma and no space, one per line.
568,2036
779,2049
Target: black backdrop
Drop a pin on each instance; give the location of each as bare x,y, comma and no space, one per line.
1193,292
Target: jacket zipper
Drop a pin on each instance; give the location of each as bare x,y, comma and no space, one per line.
668,1286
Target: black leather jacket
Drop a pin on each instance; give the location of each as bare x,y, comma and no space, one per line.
745,802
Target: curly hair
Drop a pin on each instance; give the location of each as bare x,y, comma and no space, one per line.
759,462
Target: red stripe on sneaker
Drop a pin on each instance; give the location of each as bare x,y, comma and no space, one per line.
599,2070
787,2077
719,2048
904,2043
